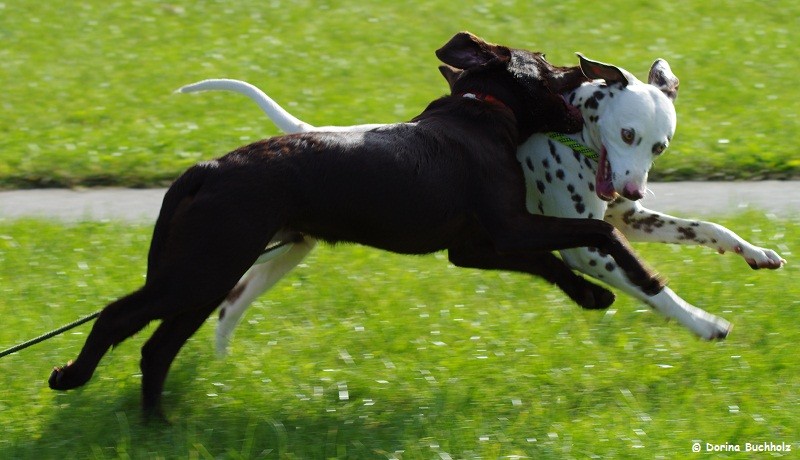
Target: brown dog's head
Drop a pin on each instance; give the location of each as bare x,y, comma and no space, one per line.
523,80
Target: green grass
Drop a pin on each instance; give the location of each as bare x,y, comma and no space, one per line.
87,87
364,354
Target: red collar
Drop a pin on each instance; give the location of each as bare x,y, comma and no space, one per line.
483,97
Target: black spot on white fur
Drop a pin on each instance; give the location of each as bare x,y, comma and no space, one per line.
686,233
552,147
529,163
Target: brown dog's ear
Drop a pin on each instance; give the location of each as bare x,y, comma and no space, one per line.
595,69
451,74
465,51
661,77
566,79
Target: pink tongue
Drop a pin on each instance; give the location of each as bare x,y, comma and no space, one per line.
602,182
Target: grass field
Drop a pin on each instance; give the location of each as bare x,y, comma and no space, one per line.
364,354
87,87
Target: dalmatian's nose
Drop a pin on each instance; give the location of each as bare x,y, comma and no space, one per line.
632,191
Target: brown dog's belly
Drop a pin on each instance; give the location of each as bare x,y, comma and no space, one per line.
396,234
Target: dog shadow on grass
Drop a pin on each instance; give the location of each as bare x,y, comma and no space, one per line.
104,419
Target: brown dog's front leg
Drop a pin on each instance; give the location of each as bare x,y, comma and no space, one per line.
543,264
527,232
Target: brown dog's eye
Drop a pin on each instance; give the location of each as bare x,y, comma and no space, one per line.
628,135
658,149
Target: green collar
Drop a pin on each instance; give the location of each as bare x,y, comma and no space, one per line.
574,145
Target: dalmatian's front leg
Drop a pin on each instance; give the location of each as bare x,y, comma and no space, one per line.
638,223
602,267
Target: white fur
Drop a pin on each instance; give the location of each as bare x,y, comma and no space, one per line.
257,280
640,106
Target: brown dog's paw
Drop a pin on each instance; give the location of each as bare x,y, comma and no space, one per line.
649,282
596,298
64,378
55,378
656,284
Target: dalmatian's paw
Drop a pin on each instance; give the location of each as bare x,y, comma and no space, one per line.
758,257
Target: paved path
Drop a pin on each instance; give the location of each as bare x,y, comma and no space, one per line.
142,205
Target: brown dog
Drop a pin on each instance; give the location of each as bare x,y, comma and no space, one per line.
448,179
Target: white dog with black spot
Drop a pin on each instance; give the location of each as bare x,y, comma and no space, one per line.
628,124
599,173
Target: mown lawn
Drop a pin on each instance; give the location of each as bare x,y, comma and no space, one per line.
88,86
364,354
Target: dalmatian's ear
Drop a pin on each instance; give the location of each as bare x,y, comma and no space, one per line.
598,70
661,77
466,51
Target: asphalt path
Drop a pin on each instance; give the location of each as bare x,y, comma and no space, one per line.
685,199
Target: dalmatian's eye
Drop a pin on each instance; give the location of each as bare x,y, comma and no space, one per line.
628,135
658,149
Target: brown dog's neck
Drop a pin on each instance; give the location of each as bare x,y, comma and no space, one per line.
483,97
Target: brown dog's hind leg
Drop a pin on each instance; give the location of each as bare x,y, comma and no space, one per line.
161,349
200,249
118,321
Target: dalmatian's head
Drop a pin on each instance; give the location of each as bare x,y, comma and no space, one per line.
633,122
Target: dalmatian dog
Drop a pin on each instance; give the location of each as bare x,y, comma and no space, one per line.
600,173
627,124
